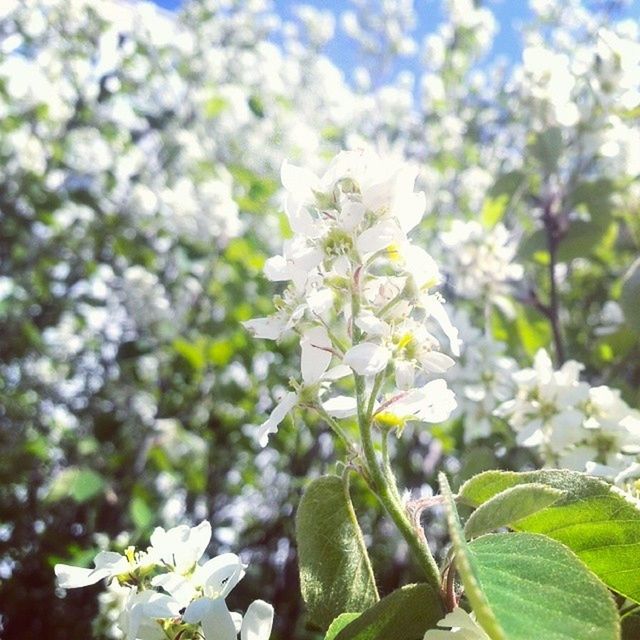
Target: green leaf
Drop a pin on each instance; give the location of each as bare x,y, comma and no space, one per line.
581,239
547,147
534,583
339,624
596,198
140,513
532,328
630,295
77,483
595,520
510,506
465,566
493,209
534,247
508,183
405,614
335,572
499,197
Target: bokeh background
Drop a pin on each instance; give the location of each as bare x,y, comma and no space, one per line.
140,148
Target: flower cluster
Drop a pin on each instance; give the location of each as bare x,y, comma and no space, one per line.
481,380
481,261
167,593
359,292
572,424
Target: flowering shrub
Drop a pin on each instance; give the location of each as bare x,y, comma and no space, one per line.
455,258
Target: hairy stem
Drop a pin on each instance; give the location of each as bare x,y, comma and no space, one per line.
384,483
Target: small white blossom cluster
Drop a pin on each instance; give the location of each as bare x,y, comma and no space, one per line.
481,380
481,261
359,292
572,424
165,592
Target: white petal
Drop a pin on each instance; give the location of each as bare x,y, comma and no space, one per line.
320,301
436,362
278,414
351,215
420,265
298,180
409,208
380,236
300,220
367,358
217,623
341,406
221,574
115,562
196,610
268,328
371,324
177,585
405,374
277,269
531,435
70,577
436,309
337,372
199,538
316,354
160,605
257,622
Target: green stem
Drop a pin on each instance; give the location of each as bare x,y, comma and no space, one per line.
388,495
384,484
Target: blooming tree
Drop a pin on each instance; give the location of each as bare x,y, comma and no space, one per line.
454,242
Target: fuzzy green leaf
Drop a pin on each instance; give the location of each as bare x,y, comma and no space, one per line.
335,572
595,520
404,614
535,584
510,506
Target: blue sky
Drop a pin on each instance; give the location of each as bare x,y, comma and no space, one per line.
509,14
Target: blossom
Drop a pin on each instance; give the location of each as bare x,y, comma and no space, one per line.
166,586
572,424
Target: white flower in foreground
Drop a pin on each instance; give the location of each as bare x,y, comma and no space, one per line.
461,625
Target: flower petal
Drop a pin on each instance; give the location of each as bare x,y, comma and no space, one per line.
316,354
257,622
367,358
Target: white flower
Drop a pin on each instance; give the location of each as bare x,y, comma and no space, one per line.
462,625
433,402
181,547
367,358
